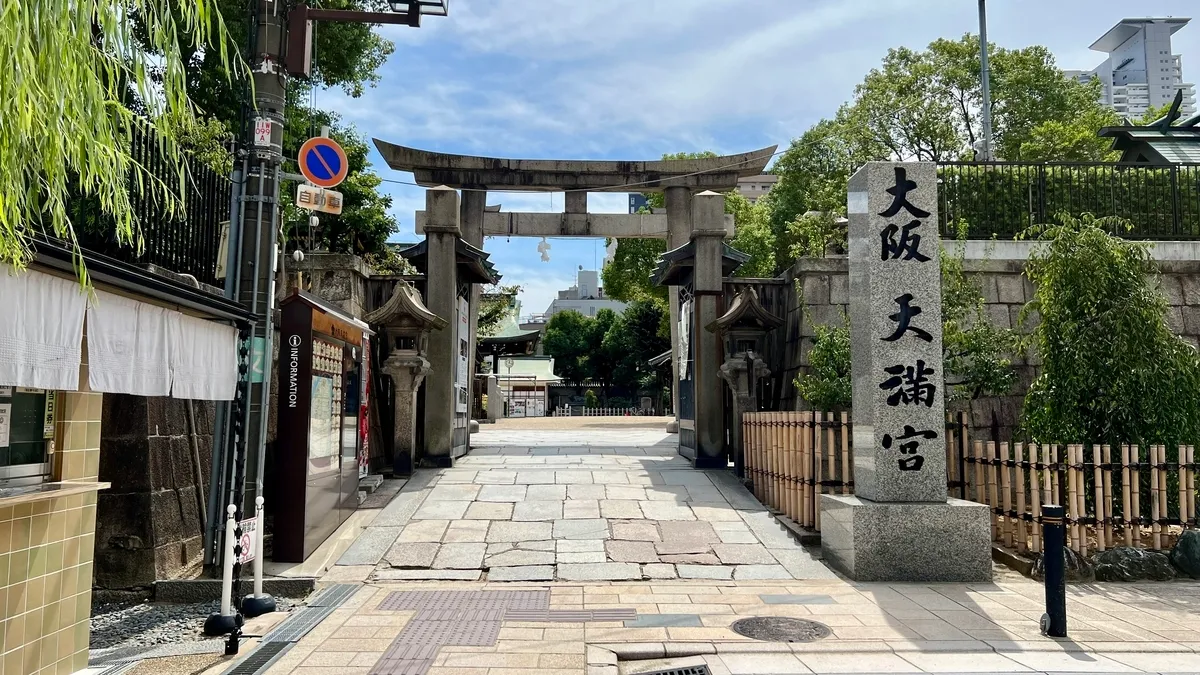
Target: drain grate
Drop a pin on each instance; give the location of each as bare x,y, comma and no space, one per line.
781,629
298,624
259,660
333,595
686,670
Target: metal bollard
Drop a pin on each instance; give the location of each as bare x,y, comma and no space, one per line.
1054,621
226,620
258,603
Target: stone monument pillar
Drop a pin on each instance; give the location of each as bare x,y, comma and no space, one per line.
495,402
679,228
441,296
708,235
899,525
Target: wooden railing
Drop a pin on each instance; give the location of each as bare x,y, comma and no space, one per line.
1140,496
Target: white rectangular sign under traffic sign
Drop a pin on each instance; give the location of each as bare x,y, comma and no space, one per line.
262,132
318,199
249,540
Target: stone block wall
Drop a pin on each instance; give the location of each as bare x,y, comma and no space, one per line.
148,523
818,294
338,278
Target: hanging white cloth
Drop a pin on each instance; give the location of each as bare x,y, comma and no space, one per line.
41,330
127,346
204,361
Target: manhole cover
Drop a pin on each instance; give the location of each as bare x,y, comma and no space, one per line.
780,629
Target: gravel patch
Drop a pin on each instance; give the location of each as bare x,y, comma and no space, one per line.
126,625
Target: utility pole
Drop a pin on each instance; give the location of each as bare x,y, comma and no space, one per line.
273,57
988,153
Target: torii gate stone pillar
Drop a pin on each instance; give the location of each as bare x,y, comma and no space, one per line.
679,229
441,294
708,235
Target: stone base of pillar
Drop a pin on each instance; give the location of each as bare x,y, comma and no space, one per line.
445,462
707,462
906,541
673,427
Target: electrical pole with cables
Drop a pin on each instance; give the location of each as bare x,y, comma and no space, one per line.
988,153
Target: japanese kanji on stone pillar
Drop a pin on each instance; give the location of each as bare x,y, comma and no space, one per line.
899,525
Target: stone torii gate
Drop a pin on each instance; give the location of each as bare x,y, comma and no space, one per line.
680,181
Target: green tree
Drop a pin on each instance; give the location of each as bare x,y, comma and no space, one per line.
827,385
76,89
627,276
976,355
812,234
566,339
926,105
497,304
637,337
752,234
601,356
1071,140
1112,371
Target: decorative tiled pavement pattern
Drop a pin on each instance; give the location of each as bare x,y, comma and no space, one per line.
469,619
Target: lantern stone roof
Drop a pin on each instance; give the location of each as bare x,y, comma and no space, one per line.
405,303
745,310
431,169
675,267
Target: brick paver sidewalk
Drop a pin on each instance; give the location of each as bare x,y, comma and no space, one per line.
619,555
875,628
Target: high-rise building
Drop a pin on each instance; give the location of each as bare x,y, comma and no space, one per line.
1141,71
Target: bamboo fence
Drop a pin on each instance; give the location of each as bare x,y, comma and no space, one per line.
1140,496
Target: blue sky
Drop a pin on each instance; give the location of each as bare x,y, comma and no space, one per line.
632,79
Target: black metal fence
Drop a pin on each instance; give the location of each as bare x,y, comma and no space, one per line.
1002,199
187,241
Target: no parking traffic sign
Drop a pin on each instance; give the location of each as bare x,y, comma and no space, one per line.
323,162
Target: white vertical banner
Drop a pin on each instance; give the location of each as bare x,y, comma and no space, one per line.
464,346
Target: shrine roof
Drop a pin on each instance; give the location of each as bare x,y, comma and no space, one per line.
540,369
473,264
432,169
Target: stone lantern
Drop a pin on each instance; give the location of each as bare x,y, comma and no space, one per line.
743,328
405,323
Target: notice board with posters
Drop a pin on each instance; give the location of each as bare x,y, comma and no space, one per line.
319,413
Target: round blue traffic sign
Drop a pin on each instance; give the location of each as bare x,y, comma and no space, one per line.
323,162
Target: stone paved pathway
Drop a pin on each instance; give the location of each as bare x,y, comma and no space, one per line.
580,505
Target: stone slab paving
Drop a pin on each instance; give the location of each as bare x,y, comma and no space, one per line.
639,510
587,628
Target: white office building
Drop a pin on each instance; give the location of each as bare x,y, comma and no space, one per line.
1141,71
585,297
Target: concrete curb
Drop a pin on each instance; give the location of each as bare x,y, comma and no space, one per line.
640,651
202,590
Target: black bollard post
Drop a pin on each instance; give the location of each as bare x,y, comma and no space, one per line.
1054,621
